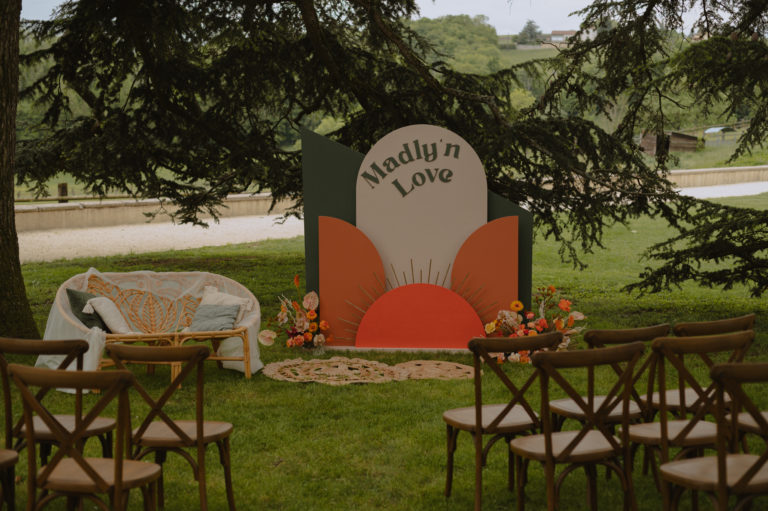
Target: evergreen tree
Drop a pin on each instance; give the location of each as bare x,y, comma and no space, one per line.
530,34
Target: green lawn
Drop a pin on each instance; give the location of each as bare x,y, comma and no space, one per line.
315,447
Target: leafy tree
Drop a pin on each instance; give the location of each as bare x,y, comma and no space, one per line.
530,34
468,45
15,312
636,60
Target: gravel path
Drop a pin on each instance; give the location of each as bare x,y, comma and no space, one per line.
152,237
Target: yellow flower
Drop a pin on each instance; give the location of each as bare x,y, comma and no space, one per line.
516,306
311,314
490,327
313,327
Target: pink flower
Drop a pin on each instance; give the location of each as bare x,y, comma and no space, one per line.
267,337
311,301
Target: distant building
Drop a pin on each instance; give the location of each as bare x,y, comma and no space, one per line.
671,142
564,37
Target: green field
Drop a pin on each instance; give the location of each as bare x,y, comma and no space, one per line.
382,446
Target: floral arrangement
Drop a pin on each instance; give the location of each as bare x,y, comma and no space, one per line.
298,320
553,313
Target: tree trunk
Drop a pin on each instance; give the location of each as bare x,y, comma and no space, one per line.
15,313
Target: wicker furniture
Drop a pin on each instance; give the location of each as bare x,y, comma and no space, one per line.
159,306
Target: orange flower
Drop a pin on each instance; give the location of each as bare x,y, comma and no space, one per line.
565,305
324,325
311,314
552,289
524,358
307,336
516,306
295,305
296,281
313,327
541,324
558,324
570,321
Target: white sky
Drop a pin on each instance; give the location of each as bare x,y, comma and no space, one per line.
507,16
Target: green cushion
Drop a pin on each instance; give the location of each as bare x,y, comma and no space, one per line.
77,300
210,318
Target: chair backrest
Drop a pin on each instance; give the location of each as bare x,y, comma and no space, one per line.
72,350
678,351
718,326
730,380
192,358
112,384
483,349
550,364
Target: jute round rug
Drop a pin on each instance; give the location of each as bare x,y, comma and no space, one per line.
343,370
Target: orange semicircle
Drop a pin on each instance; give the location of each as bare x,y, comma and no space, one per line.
351,277
485,269
419,316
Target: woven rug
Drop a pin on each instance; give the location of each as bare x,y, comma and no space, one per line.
343,371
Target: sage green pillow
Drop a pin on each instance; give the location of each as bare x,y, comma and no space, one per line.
77,300
212,318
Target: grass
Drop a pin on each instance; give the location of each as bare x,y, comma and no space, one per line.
315,447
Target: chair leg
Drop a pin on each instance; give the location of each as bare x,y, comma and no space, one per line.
477,438
451,435
106,444
224,457
522,468
160,459
510,465
201,479
591,472
9,488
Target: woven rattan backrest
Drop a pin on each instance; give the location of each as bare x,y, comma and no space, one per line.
191,358
483,349
550,364
719,326
112,384
678,352
71,351
730,380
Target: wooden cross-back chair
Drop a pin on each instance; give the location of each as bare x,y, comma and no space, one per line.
717,326
503,420
742,476
688,430
595,442
160,434
15,433
694,329
69,473
566,408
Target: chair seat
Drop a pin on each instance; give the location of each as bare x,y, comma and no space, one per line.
69,477
568,408
673,399
747,423
701,473
594,446
649,433
8,457
99,426
159,434
464,418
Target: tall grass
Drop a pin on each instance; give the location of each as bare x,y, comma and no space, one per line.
382,446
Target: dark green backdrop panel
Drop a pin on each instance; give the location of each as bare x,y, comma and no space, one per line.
499,207
330,179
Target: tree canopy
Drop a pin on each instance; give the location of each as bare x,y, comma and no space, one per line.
188,100
643,59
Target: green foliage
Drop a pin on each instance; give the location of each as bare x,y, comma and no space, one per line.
309,446
467,44
641,73
530,34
